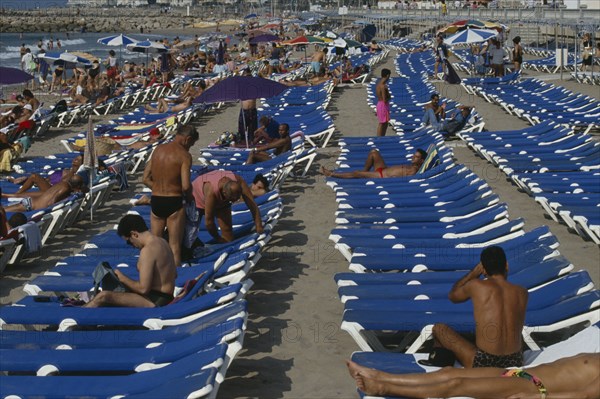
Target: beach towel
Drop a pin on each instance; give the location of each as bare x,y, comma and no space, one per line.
451,75
120,172
32,235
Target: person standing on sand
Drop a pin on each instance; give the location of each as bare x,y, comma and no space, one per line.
383,102
168,175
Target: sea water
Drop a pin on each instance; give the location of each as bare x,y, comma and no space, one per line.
10,44
32,4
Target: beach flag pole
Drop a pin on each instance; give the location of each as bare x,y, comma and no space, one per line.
90,161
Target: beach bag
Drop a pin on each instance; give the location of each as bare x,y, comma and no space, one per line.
105,277
451,75
60,107
105,145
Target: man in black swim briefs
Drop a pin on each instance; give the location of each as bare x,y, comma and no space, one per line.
168,175
156,267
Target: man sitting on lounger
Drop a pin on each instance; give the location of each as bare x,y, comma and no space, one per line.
380,169
155,265
35,200
572,377
499,311
280,145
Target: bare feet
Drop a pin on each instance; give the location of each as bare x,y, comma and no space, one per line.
18,180
326,171
144,200
370,386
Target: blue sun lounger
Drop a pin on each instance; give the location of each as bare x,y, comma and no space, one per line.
361,324
198,365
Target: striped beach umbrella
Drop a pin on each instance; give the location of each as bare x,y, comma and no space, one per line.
117,40
471,36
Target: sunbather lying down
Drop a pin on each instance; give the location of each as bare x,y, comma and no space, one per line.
163,106
380,169
567,378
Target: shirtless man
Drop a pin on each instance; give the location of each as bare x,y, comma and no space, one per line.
383,102
380,169
36,200
168,175
569,378
281,145
499,311
434,112
214,193
318,59
155,265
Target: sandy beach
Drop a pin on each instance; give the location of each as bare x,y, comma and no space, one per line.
294,347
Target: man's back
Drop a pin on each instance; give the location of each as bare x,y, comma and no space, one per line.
167,161
499,310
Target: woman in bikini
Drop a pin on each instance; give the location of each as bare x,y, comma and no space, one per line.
571,377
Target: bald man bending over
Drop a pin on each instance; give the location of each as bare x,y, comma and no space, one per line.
214,193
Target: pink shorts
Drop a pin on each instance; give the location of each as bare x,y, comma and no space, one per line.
383,112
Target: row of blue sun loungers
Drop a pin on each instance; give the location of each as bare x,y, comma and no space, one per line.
180,350
193,340
535,101
560,169
551,161
403,267
407,240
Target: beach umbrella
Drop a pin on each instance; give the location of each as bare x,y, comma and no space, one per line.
328,34
264,39
461,25
469,36
62,58
11,76
84,55
241,88
147,47
90,159
117,40
353,43
339,42
304,40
